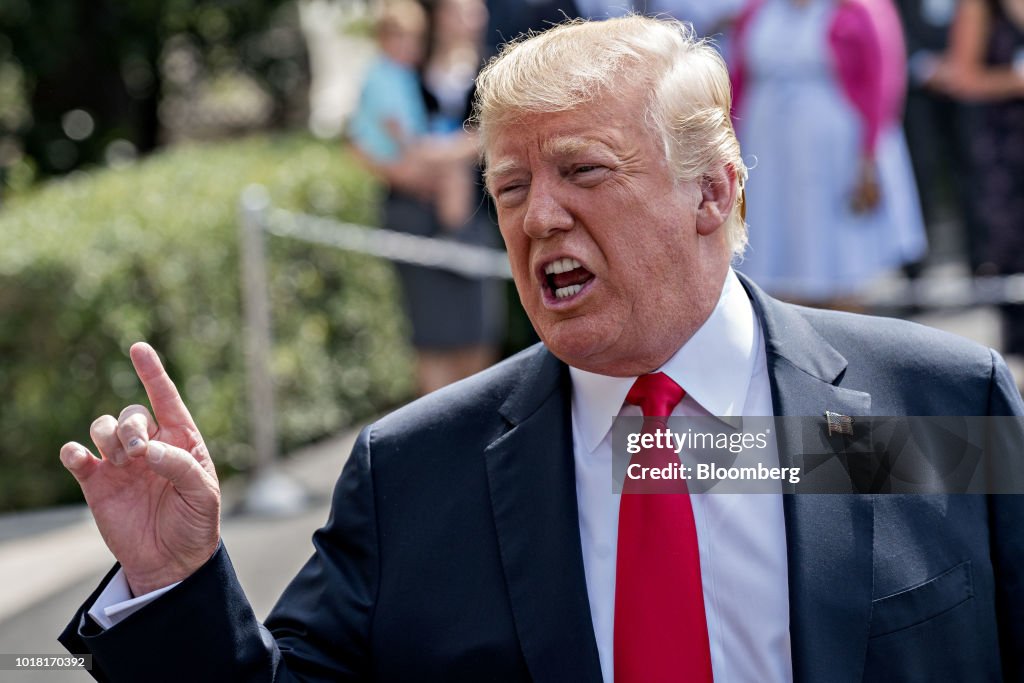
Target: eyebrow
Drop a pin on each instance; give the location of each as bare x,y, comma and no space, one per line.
499,169
570,144
565,145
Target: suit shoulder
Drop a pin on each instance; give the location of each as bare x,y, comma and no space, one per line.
471,401
916,369
898,342
872,344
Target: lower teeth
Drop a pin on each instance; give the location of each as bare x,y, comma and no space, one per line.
563,292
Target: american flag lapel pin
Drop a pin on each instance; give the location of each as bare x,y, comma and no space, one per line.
838,424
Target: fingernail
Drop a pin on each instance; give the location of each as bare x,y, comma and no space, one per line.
69,457
156,451
135,443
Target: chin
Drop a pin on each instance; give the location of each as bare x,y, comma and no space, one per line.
597,352
590,352
576,347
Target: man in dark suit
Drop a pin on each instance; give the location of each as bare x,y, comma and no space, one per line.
474,533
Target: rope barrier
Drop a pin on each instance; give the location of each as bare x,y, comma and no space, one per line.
948,292
431,252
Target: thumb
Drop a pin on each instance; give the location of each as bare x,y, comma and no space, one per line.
179,467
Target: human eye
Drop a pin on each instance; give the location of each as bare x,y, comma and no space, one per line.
510,193
588,174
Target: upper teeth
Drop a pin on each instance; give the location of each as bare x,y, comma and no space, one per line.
562,265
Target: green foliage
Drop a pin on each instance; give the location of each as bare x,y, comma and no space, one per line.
95,262
117,61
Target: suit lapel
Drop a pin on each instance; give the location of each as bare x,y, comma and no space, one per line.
829,537
533,497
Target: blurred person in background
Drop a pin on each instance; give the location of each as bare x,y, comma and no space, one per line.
711,18
509,18
456,55
708,18
819,87
942,171
391,128
427,160
985,64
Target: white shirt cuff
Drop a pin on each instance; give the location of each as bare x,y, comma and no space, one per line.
115,603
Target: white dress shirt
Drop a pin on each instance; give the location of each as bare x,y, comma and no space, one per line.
741,538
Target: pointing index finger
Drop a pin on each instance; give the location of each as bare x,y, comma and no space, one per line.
168,408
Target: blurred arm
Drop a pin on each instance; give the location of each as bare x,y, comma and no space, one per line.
965,73
858,54
1007,536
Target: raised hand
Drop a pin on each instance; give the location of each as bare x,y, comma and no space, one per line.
153,491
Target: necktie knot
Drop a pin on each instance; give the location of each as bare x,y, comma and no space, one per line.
656,394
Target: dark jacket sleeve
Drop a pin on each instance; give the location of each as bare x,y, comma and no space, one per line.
205,630
1007,528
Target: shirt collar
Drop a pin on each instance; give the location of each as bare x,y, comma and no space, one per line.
714,367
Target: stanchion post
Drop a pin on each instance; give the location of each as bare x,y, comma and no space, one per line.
270,491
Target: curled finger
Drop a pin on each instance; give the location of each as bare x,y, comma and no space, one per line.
135,427
77,460
104,434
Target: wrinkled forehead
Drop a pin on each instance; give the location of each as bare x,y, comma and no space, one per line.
511,151
612,123
624,93
517,127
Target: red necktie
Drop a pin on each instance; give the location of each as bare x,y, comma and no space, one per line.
661,632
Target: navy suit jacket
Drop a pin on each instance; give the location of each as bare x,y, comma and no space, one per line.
452,552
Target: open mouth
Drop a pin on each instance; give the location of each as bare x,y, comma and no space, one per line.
565,278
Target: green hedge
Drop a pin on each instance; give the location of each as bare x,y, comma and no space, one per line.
93,263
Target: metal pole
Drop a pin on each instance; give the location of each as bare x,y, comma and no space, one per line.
270,492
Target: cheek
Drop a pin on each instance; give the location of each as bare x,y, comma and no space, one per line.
507,229
518,249
517,244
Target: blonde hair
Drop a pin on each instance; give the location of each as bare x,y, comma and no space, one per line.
575,62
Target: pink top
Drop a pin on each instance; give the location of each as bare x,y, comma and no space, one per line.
866,40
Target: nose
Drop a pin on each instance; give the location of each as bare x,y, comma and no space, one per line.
546,213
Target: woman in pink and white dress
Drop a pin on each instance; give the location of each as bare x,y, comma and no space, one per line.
832,203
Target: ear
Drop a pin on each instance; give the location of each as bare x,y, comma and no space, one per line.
718,197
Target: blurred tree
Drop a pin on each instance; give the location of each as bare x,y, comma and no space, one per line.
94,76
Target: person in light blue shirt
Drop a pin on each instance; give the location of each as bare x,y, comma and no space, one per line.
390,103
426,160
391,130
